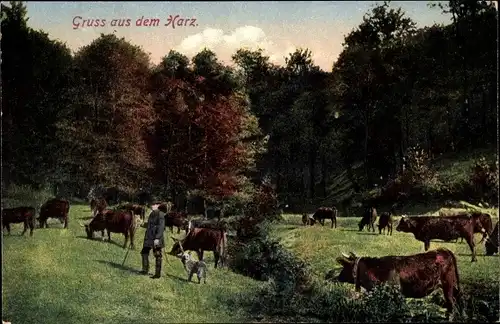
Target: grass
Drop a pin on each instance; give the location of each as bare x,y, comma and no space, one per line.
59,275
319,246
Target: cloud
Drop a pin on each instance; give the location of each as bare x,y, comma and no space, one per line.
226,44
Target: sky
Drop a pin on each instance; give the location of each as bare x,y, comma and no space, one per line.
276,27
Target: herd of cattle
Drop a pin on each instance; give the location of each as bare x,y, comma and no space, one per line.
420,274
439,266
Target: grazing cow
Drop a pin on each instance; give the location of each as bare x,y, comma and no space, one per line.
135,210
417,275
200,240
426,228
493,242
120,221
308,220
323,213
385,221
24,215
177,219
54,208
368,219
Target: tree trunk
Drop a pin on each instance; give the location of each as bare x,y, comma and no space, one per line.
323,174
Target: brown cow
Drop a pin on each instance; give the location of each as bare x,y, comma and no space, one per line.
493,242
483,221
368,219
24,215
135,210
54,208
426,228
417,275
203,239
113,222
385,221
177,219
323,213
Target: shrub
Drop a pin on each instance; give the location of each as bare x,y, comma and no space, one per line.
25,195
484,179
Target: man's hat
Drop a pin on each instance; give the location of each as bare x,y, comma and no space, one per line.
156,203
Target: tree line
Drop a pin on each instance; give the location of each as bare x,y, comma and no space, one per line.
182,128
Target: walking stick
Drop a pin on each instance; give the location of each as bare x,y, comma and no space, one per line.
126,255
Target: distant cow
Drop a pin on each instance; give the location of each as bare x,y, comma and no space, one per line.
417,275
54,208
323,213
308,220
200,240
98,206
368,219
165,207
426,228
135,210
177,219
483,221
24,215
120,221
493,242
385,221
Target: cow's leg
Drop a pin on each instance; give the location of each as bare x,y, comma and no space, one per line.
7,226
25,227
427,245
66,222
449,292
126,240
178,230
216,258
470,241
171,229
200,254
335,222
109,235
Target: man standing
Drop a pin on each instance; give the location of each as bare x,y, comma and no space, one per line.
153,239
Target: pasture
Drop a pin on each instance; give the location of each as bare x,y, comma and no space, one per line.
59,275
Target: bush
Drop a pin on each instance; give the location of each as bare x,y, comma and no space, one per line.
484,180
16,196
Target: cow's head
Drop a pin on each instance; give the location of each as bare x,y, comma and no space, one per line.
176,248
88,230
346,274
405,225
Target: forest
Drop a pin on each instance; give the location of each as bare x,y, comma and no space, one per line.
396,100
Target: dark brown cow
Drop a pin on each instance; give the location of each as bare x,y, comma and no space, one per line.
385,221
203,239
483,221
323,213
54,208
417,275
120,221
493,242
368,219
165,207
24,215
177,219
134,209
426,228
